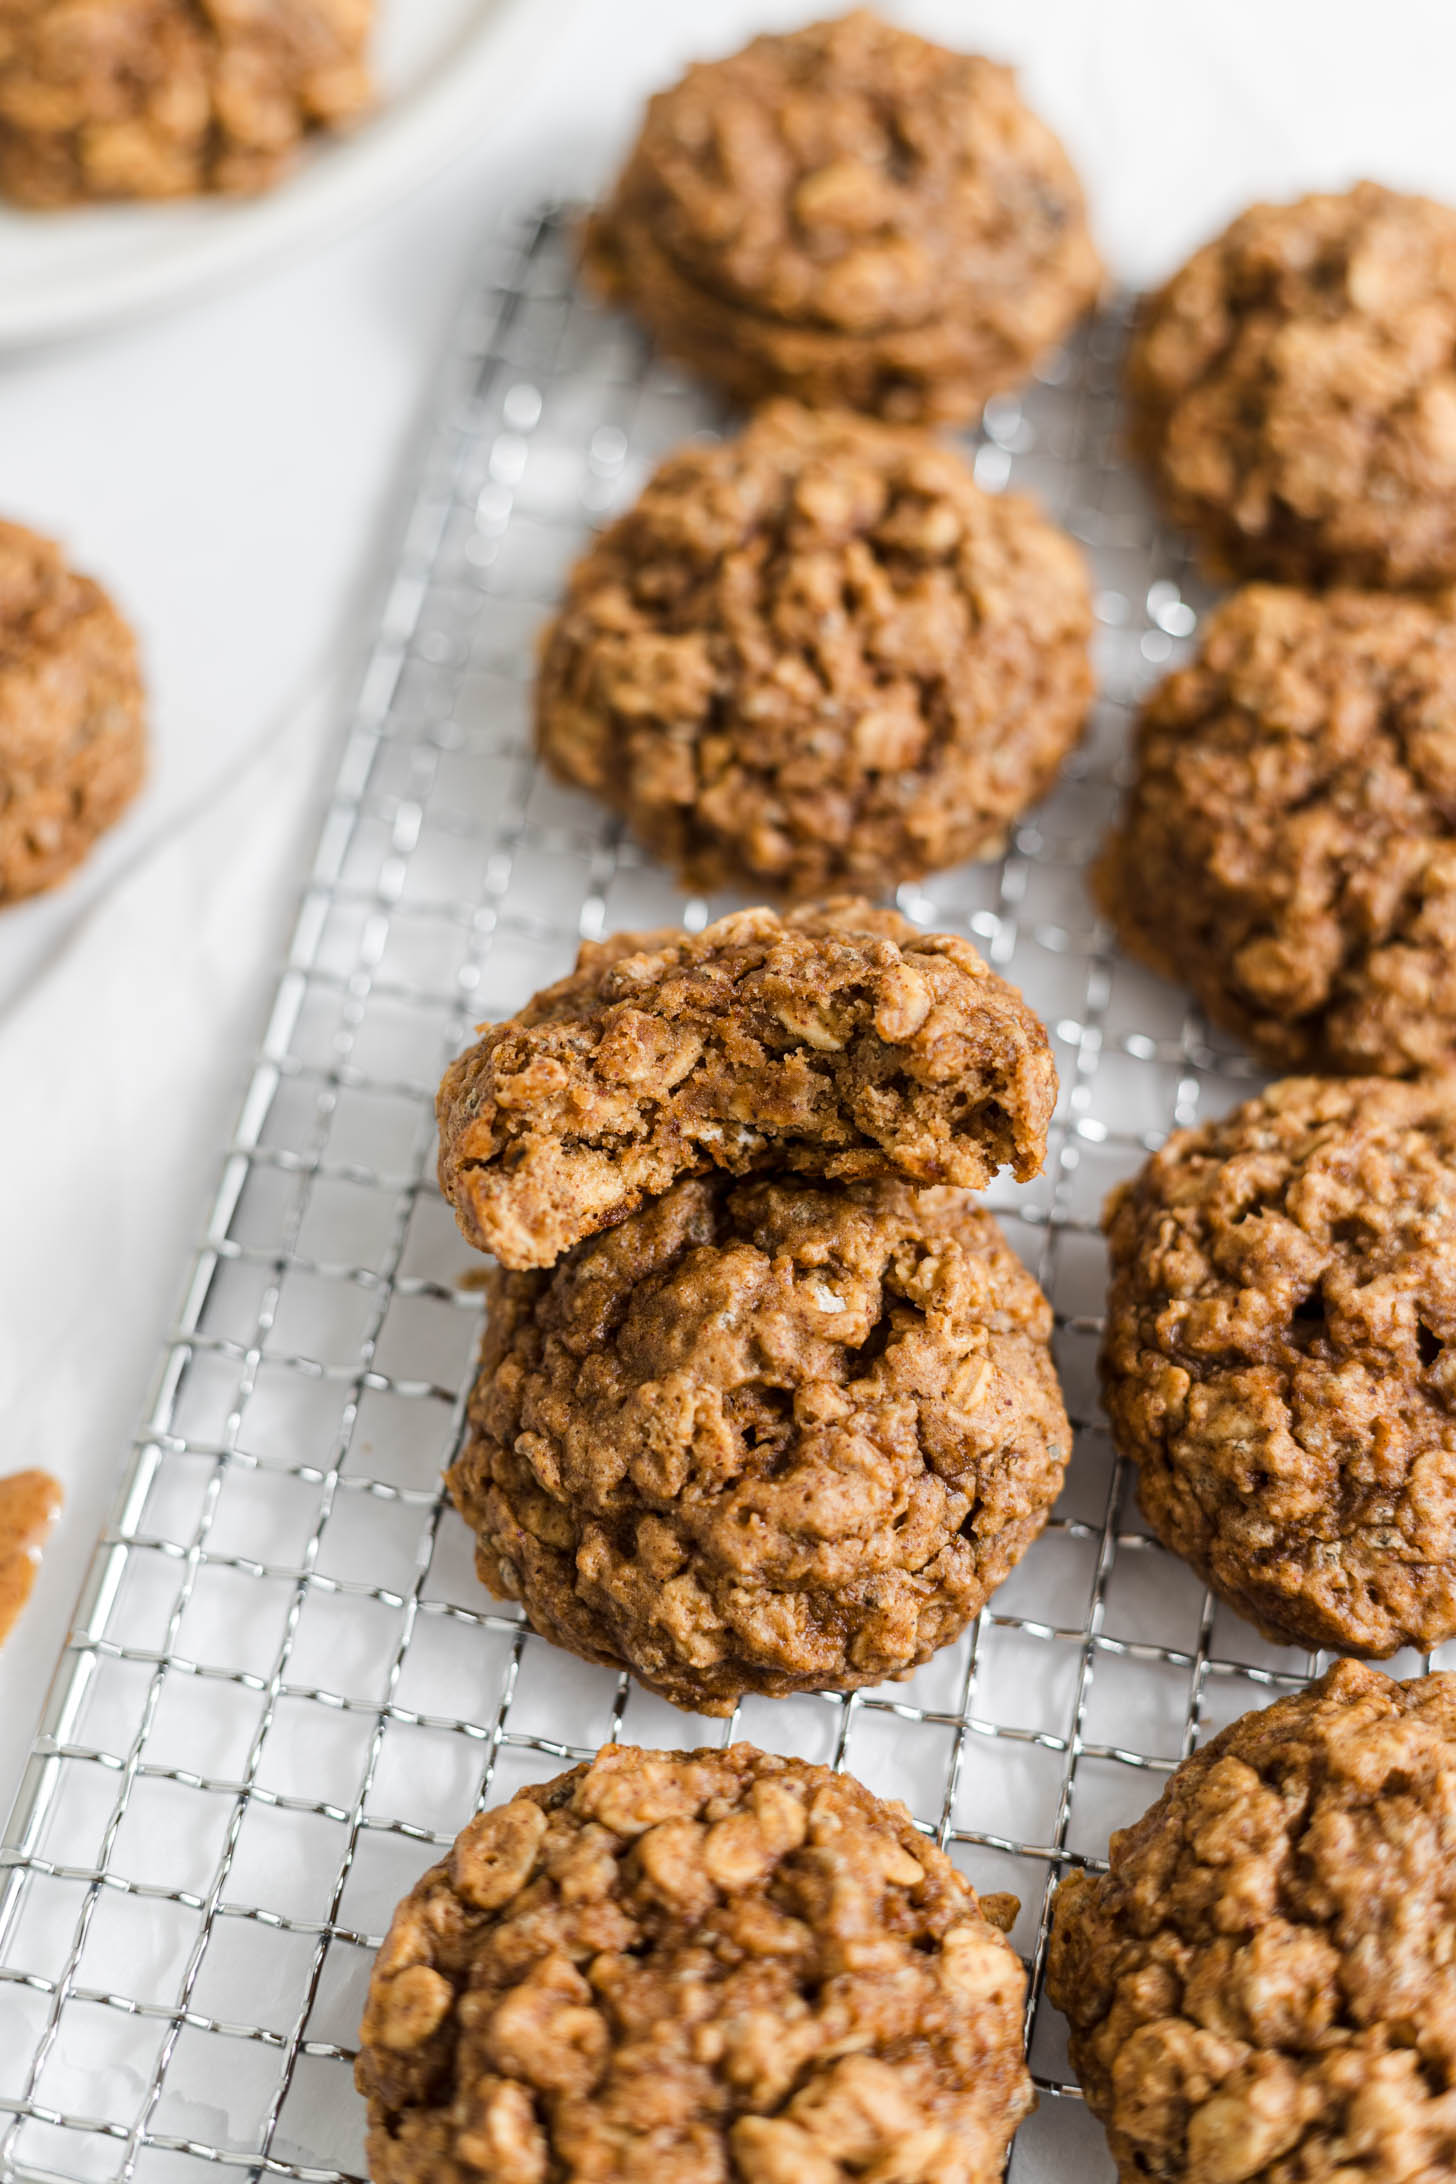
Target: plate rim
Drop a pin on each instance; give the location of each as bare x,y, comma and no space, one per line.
399,150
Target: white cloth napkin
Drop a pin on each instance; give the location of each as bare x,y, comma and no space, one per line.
121,1067
228,473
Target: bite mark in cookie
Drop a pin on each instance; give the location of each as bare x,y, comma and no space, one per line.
838,1041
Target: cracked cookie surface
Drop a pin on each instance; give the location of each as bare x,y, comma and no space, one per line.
852,215
72,726
818,655
1293,390
1288,847
1261,1986
1280,1357
765,1436
837,1041
170,98
677,1968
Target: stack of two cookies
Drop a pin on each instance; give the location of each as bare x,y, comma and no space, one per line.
766,1402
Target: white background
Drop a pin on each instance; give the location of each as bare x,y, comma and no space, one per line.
228,470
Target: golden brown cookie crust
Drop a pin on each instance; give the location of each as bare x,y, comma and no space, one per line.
1293,393
768,1436
1261,1988
169,98
693,1966
851,215
1280,1357
1289,842
72,729
837,1041
818,655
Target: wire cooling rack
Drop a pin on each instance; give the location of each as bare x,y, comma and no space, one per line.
284,1691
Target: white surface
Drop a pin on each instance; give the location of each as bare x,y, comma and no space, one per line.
439,65
226,471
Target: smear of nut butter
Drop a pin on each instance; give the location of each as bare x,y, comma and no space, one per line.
30,1502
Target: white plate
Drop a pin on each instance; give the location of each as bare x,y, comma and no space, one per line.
441,66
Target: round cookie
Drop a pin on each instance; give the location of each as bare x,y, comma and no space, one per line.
1288,847
694,1966
1289,844
836,1041
1279,1358
1261,1987
167,98
818,655
1293,389
851,215
72,729
765,1436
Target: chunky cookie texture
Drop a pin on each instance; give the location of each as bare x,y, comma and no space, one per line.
1289,842
765,1436
1261,1989
1280,1357
818,655
694,1967
168,98
1293,391
72,732
851,215
838,1041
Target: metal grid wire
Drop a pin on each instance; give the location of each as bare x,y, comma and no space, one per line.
284,1690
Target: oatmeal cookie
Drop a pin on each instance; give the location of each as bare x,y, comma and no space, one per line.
819,655
169,98
72,729
851,215
1293,389
766,1436
676,1968
1280,1357
1289,844
1262,1988
837,1041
